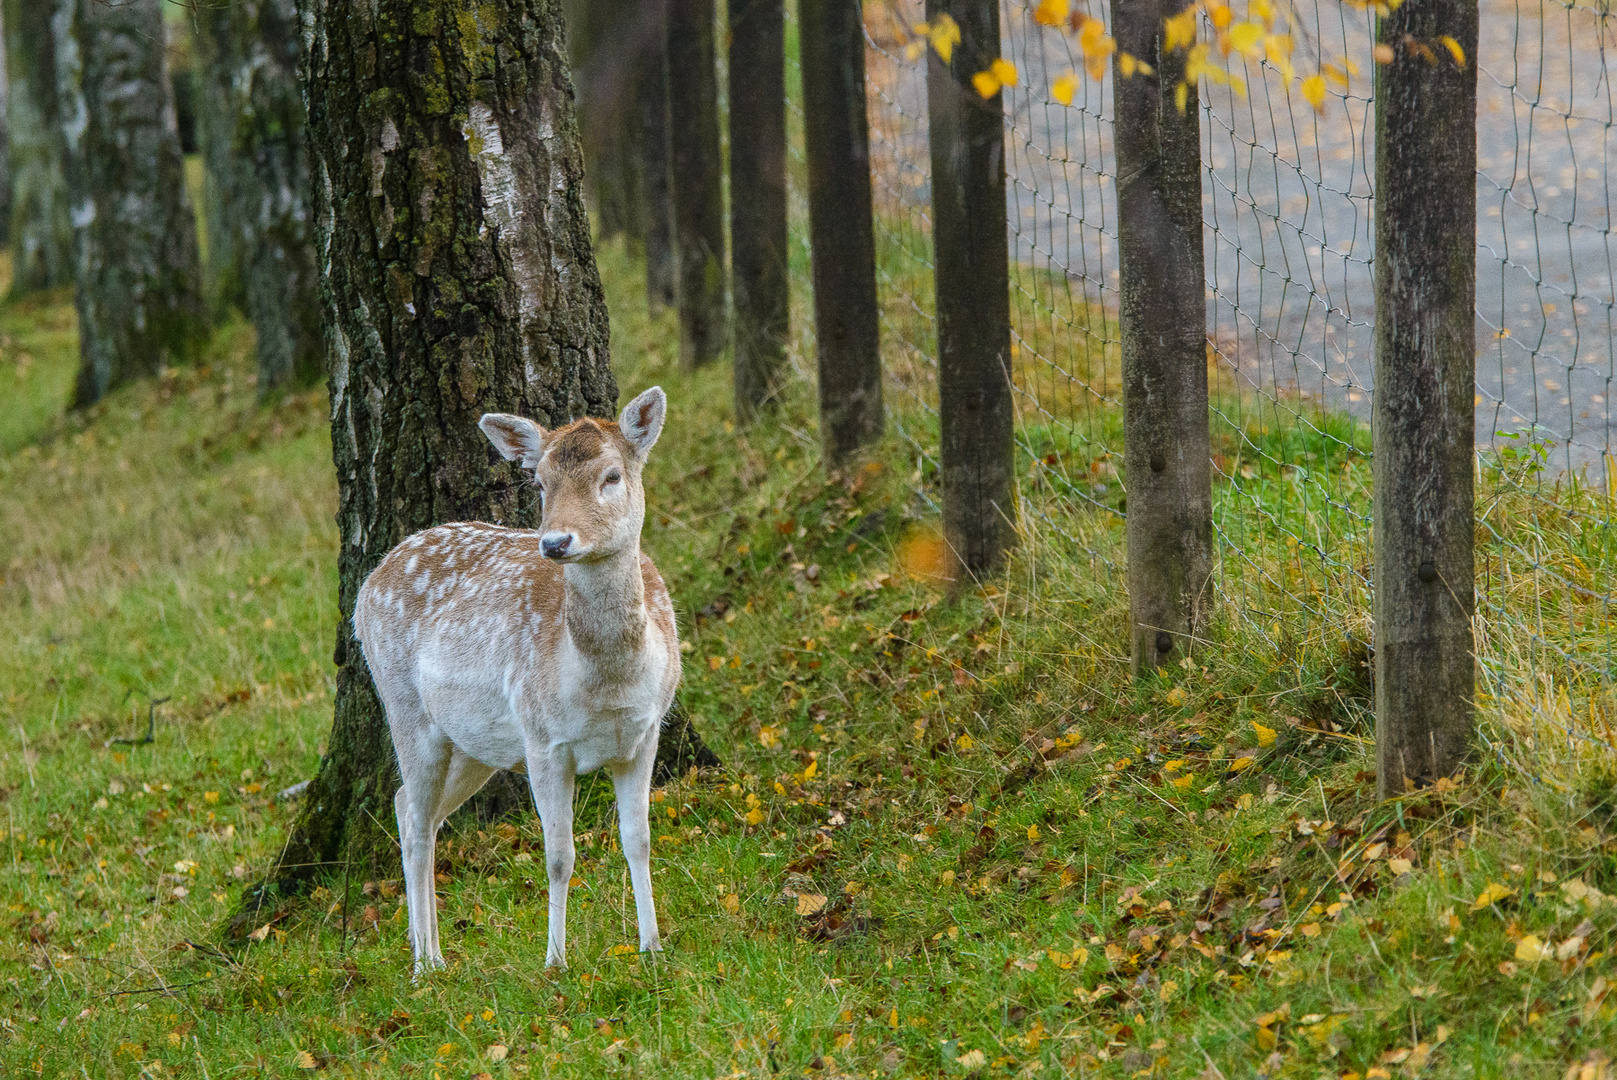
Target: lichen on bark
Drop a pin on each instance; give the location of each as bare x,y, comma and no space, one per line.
260,251
137,279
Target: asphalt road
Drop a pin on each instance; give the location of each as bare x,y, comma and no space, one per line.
1287,202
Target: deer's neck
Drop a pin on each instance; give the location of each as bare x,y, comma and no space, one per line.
604,607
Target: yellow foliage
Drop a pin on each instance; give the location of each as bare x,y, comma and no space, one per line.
1314,92
1180,29
1064,88
944,33
1004,71
1266,735
985,83
1454,50
1052,12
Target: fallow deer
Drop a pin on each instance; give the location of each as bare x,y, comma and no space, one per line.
556,648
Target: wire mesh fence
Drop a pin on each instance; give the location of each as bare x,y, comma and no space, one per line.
1288,207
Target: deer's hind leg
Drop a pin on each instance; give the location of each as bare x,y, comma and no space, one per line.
424,758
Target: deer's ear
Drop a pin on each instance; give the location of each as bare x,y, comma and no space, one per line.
516,438
642,420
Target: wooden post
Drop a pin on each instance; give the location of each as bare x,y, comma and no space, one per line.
841,230
971,256
1425,376
1163,316
758,199
695,172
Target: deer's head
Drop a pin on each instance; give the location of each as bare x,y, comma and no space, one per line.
592,504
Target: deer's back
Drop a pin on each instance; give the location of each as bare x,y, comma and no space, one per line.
465,623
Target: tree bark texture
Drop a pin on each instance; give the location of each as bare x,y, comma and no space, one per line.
41,231
137,277
842,237
971,258
758,200
457,278
1163,320
1423,419
695,179
651,107
258,182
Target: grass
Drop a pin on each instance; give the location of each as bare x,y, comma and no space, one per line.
950,839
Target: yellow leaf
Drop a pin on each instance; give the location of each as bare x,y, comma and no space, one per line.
1126,65
210,796
1491,895
1004,71
1454,50
621,950
892,1019
1032,832
755,816
1310,929
1246,38
1400,866
964,741
972,1059
1314,92
944,35
1219,13
1180,29
769,736
731,903
1183,782
1278,48
1266,735
305,1060
1374,851
810,769
1382,54
985,84
1241,763
1530,949
496,1052
1051,12
1266,1039
810,903
1181,94
1177,697
1166,991
1064,88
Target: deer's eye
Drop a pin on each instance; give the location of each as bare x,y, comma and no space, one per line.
613,477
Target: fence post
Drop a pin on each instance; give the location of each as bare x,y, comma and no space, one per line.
1425,376
695,179
1163,317
841,230
971,259
758,199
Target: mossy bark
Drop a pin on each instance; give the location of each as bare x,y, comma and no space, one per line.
260,251
651,105
5,168
137,279
41,232
457,278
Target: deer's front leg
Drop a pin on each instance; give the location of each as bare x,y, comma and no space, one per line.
633,786
551,779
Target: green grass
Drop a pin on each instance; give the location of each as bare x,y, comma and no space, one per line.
950,838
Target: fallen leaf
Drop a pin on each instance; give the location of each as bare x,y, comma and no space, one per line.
305,1060
1266,735
1491,895
809,903
496,1052
260,934
1530,949
972,1059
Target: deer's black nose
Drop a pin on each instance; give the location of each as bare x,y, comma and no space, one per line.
555,545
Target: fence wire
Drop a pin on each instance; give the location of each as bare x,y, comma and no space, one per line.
1288,197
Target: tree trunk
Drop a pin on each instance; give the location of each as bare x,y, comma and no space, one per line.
5,167
695,178
602,44
966,133
1162,315
758,200
651,105
258,184
456,278
137,278
1423,417
842,235
41,231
